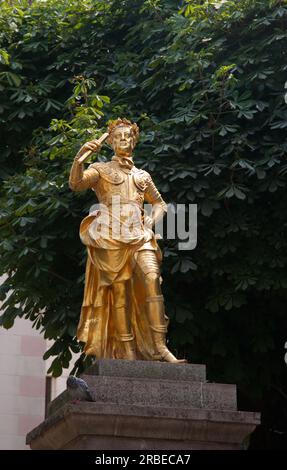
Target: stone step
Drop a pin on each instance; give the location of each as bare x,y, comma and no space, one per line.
148,370
153,428
167,393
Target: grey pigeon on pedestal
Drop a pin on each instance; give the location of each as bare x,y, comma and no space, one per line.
78,389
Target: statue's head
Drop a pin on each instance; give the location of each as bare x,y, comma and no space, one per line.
123,136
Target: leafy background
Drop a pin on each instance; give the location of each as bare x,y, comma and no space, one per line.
206,82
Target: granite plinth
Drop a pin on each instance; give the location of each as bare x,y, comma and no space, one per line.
146,405
148,370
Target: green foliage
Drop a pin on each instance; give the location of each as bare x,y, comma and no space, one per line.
205,80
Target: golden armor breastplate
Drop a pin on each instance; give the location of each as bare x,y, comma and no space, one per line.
130,185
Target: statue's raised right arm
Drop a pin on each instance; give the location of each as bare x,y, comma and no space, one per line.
81,179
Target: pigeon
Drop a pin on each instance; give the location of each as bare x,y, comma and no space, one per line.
78,389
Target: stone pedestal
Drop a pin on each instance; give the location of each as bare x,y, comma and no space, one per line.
146,405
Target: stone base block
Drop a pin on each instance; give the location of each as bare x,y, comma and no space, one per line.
146,406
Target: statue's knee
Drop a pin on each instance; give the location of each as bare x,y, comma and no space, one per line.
151,277
152,281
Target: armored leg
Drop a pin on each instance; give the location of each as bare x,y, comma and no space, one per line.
122,321
149,266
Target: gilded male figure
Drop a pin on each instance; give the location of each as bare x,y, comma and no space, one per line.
122,314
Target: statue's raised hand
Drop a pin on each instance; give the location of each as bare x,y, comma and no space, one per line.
90,147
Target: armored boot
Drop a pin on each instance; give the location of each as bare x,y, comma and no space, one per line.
124,333
158,325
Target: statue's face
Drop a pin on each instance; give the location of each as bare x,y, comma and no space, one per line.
123,142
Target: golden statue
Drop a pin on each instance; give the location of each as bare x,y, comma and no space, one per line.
122,314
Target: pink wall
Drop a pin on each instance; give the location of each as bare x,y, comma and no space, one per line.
22,383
